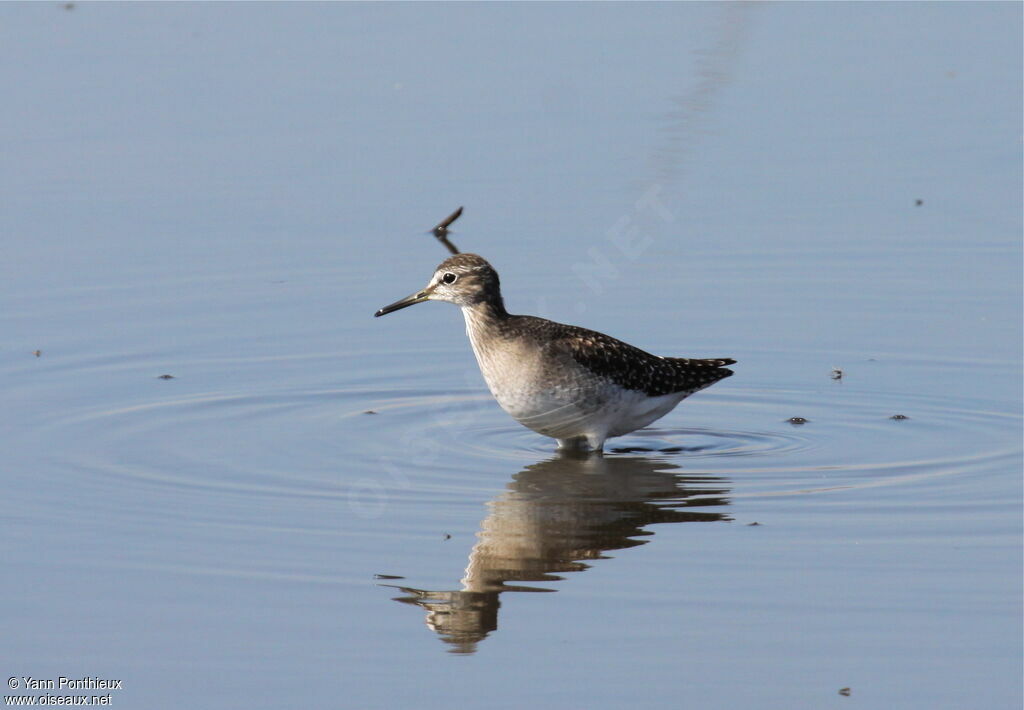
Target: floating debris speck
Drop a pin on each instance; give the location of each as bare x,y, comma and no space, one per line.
837,373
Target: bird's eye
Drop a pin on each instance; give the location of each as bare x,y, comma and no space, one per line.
449,278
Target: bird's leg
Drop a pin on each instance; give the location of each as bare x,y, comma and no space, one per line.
577,443
585,443
595,442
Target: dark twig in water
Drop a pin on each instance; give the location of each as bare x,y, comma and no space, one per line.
441,230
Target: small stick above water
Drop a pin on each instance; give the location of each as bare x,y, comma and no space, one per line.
441,230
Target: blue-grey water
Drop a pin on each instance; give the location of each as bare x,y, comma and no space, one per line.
224,193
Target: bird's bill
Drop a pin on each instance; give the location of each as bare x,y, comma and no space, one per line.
418,297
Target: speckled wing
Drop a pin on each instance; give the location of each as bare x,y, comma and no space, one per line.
632,368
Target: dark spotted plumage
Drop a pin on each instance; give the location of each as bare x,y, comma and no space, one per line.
624,364
576,385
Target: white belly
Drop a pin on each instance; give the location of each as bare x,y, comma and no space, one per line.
563,408
560,399
568,414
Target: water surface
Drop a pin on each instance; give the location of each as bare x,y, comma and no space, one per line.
225,194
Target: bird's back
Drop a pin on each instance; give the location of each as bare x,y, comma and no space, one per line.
625,365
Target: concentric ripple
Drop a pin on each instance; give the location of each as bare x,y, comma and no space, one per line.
459,446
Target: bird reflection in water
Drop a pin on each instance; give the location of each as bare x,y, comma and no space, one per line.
554,517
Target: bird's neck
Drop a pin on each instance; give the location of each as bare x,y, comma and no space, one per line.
484,316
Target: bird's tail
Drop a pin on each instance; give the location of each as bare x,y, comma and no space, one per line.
707,372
